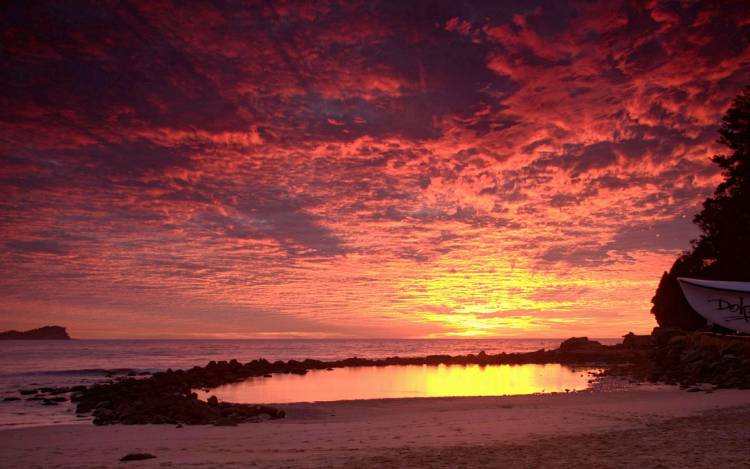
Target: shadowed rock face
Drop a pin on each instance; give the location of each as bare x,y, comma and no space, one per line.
689,359
42,333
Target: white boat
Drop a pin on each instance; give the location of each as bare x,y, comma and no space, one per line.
726,304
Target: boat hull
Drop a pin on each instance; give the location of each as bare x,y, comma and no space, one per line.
726,304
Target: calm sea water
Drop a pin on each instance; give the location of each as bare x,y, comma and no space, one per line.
25,364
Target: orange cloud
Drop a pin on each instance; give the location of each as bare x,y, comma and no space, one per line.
356,170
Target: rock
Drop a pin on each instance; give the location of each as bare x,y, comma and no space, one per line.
687,359
691,355
11,398
27,392
637,342
225,422
273,412
137,457
169,398
662,335
578,344
42,333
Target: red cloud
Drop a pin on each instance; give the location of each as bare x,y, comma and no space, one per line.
318,167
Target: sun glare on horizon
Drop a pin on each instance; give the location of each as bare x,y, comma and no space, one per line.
359,169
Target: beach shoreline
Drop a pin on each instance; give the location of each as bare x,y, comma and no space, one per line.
170,397
374,433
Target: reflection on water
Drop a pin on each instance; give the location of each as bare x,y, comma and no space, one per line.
404,381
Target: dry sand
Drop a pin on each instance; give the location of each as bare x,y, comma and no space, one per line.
627,428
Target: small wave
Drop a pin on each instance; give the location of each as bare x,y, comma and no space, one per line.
83,372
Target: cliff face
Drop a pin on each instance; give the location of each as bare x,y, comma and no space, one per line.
43,333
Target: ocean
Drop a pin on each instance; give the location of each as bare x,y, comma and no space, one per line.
27,364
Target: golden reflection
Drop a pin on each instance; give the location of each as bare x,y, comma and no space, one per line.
404,381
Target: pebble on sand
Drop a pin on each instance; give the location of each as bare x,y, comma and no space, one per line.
137,457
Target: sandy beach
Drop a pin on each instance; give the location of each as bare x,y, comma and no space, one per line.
663,427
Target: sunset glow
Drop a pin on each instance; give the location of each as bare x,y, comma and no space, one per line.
356,170
405,381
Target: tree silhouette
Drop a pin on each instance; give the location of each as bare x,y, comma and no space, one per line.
722,252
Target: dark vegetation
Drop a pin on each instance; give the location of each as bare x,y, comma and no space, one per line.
722,252
42,333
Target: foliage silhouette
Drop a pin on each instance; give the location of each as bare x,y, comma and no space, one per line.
722,252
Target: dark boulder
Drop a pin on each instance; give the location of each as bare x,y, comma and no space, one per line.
637,342
137,457
55,391
580,344
721,360
225,422
662,335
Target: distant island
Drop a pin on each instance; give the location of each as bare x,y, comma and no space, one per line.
42,333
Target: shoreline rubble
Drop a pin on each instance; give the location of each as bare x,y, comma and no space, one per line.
168,397
690,359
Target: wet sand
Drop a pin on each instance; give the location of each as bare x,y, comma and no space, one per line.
626,428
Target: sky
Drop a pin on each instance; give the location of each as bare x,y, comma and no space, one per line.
356,169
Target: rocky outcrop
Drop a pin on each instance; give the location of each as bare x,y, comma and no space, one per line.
582,350
693,358
638,342
168,397
576,344
42,333
667,355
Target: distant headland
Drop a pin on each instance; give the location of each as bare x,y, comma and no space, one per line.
42,333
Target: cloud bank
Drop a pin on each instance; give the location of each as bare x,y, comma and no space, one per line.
355,169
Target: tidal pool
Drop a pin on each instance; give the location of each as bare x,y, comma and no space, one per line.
404,381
